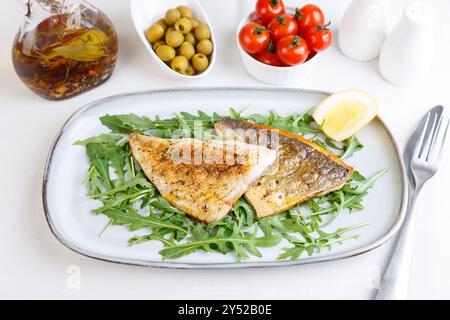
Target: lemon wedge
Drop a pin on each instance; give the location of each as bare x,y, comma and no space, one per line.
344,113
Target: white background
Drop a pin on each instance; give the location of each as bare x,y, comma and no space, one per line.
33,264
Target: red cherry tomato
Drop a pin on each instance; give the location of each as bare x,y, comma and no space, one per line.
311,55
281,26
319,38
254,38
53,22
270,57
292,50
308,17
267,9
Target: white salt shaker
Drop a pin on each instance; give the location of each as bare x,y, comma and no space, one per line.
363,29
407,53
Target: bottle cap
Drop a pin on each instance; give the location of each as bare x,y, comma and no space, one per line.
420,12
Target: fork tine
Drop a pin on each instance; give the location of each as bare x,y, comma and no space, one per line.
418,148
433,116
437,128
441,149
428,134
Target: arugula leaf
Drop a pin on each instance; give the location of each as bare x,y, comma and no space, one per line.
316,244
165,206
154,236
127,186
235,240
127,123
136,221
351,146
99,158
93,181
118,163
361,186
103,138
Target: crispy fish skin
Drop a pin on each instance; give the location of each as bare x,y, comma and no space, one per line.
205,188
303,171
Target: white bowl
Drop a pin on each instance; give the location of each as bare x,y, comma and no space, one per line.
271,74
146,12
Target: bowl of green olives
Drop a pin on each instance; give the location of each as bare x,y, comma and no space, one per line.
178,35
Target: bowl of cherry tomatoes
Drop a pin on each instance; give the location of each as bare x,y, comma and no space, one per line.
281,45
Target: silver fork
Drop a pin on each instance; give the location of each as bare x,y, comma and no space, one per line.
423,155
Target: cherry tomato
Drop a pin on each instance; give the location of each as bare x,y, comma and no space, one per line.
311,55
292,50
308,17
54,22
319,38
254,38
281,26
270,57
267,9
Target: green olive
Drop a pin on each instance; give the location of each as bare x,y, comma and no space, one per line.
162,23
165,53
202,32
179,64
205,46
183,25
189,71
154,33
190,38
187,50
174,38
194,23
158,44
186,12
171,16
200,62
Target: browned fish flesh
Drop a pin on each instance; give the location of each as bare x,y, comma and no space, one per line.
302,171
199,177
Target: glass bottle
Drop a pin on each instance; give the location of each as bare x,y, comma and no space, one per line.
64,47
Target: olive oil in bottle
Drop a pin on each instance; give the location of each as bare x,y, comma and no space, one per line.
70,51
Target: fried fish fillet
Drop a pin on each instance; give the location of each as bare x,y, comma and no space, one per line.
204,179
304,170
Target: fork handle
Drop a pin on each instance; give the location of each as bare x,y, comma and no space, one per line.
394,285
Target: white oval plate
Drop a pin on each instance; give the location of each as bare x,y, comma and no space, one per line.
69,215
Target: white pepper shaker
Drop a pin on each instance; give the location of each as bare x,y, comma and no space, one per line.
407,54
363,29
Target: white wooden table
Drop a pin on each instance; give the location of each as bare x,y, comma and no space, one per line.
33,264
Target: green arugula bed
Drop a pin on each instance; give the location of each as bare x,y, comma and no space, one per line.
129,199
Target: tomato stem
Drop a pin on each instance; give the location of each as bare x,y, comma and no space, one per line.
295,42
274,3
298,14
271,48
281,20
259,30
324,27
